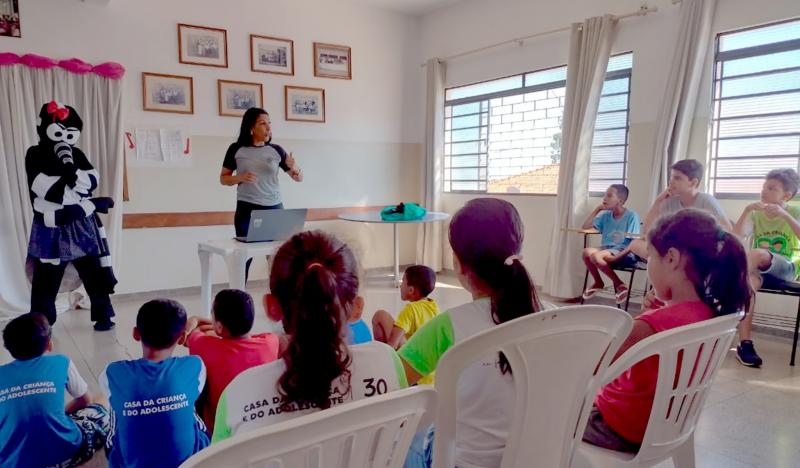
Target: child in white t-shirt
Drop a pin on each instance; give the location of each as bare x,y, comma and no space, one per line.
314,291
489,267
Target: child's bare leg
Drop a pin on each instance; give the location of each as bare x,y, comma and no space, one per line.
382,324
638,247
758,260
588,260
601,260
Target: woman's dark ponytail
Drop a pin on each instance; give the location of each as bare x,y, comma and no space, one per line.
314,278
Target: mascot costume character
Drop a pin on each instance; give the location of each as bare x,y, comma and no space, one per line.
66,227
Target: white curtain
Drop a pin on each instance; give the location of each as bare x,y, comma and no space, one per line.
98,101
430,238
590,47
680,96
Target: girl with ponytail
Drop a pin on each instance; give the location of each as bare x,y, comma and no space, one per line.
486,236
314,291
699,271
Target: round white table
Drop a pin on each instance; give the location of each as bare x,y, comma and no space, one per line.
375,217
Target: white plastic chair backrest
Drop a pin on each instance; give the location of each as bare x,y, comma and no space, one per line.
555,356
688,360
370,433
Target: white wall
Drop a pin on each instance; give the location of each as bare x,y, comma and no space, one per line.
142,35
366,153
474,24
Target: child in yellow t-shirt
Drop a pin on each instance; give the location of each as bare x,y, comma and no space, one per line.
418,283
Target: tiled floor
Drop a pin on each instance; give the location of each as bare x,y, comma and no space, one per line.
751,419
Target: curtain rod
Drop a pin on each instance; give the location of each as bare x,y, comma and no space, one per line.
642,11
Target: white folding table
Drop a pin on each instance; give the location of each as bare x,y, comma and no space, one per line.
375,217
235,254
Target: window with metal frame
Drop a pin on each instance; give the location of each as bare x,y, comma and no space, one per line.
504,135
755,126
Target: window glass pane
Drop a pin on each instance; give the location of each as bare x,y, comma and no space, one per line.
546,76
610,137
471,108
465,186
759,125
770,83
769,146
772,103
761,63
465,174
466,161
736,186
611,120
608,154
599,186
467,121
607,171
488,87
465,135
620,62
613,103
756,167
620,85
760,36
466,148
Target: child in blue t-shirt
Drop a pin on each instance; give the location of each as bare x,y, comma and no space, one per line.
35,428
613,221
359,332
153,398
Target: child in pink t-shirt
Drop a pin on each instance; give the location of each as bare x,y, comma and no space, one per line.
698,271
226,346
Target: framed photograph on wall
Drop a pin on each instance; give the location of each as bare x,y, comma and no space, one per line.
199,45
271,55
9,18
167,93
235,97
305,104
332,61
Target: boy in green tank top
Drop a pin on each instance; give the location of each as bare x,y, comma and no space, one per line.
774,256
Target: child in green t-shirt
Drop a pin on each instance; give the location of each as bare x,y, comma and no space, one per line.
418,284
774,256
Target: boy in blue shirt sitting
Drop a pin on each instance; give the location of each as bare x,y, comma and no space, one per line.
613,221
35,428
153,398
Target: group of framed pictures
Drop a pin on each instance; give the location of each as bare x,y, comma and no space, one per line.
199,45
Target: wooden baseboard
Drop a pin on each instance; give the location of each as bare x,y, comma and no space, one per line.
221,218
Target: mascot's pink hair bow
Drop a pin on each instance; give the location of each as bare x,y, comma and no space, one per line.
58,113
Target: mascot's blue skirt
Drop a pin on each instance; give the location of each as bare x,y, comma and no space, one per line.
75,240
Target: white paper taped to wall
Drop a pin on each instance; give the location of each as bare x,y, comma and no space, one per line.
158,146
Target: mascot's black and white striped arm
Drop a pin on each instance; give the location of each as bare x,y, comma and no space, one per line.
51,195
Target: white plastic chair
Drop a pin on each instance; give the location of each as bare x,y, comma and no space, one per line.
554,356
693,354
371,433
